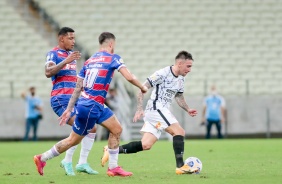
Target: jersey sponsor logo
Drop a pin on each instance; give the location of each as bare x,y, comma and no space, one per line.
70,67
96,65
106,59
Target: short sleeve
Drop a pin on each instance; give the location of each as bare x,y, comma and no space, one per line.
223,104
157,77
51,57
81,74
118,62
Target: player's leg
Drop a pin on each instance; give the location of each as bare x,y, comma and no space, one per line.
86,145
178,146
35,126
66,163
59,106
209,125
151,135
146,143
218,127
56,150
27,128
113,125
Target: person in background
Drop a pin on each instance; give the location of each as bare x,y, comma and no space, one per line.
33,112
213,112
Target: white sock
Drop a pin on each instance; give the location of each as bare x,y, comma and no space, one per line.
50,154
86,146
69,154
113,158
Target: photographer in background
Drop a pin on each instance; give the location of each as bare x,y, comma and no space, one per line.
213,112
33,112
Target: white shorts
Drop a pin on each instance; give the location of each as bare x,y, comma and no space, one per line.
155,122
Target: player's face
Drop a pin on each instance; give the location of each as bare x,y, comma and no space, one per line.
185,67
69,41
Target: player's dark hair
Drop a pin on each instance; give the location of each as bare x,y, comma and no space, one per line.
105,36
184,55
65,30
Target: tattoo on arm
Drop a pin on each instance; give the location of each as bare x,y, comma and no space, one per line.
52,69
76,93
140,96
181,101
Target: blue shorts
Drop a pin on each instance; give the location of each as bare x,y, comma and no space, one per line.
88,116
60,105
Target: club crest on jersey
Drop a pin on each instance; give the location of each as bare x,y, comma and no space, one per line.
121,61
50,57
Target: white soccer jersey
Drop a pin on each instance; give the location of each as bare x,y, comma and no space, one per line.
166,85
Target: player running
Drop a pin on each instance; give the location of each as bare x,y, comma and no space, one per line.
61,67
93,84
168,83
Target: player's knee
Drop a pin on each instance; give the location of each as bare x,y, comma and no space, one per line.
93,130
117,130
179,131
146,146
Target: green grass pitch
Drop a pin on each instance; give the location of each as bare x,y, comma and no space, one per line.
230,161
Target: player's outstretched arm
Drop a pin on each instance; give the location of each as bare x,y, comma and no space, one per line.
52,69
66,115
182,103
132,79
140,96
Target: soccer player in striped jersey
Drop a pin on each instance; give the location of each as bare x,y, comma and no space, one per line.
168,83
61,68
93,84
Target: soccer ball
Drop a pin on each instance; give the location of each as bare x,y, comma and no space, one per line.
194,162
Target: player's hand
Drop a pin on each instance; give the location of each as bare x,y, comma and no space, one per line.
144,89
138,115
64,117
75,55
192,112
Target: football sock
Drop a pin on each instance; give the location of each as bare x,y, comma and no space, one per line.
113,158
69,154
50,154
86,145
178,147
132,147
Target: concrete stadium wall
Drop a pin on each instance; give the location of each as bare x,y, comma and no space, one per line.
12,121
246,116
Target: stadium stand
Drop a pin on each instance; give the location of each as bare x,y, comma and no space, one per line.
22,54
235,43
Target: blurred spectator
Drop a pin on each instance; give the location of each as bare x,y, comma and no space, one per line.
213,112
111,99
33,112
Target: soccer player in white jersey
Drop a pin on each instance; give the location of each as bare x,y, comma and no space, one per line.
168,83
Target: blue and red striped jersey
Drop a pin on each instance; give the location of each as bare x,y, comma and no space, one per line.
97,73
64,81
